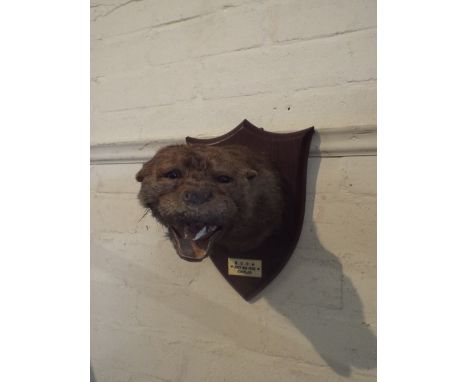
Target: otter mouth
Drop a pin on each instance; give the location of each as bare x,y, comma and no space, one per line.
194,240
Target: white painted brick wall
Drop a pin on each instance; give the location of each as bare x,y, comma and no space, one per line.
117,17
337,61
170,68
211,34
350,104
188,67
306,19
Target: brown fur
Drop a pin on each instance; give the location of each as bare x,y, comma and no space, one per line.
231,187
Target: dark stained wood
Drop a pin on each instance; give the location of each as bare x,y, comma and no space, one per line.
289,152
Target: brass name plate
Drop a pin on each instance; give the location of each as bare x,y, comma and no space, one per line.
244,267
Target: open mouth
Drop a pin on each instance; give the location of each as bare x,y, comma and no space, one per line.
194,240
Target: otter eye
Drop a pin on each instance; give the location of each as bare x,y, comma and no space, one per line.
173,174
224,179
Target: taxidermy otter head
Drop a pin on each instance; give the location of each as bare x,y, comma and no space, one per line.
212,198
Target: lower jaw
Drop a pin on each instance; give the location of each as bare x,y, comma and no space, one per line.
191,259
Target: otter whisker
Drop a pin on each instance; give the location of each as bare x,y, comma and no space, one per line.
144,214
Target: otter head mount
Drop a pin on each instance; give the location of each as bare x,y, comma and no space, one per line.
238,199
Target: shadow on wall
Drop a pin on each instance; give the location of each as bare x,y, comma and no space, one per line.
314,294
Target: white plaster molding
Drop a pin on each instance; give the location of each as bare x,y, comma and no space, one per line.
329,142
344,142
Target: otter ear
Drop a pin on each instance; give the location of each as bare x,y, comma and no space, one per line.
250,174
146,170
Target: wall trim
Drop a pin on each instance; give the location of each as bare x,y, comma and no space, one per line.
327,142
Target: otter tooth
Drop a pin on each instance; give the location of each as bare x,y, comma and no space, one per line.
200,233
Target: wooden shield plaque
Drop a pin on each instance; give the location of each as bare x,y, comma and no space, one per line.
250,272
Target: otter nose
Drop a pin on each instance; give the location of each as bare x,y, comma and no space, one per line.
197,196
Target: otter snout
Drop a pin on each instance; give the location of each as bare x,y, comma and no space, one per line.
197,196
